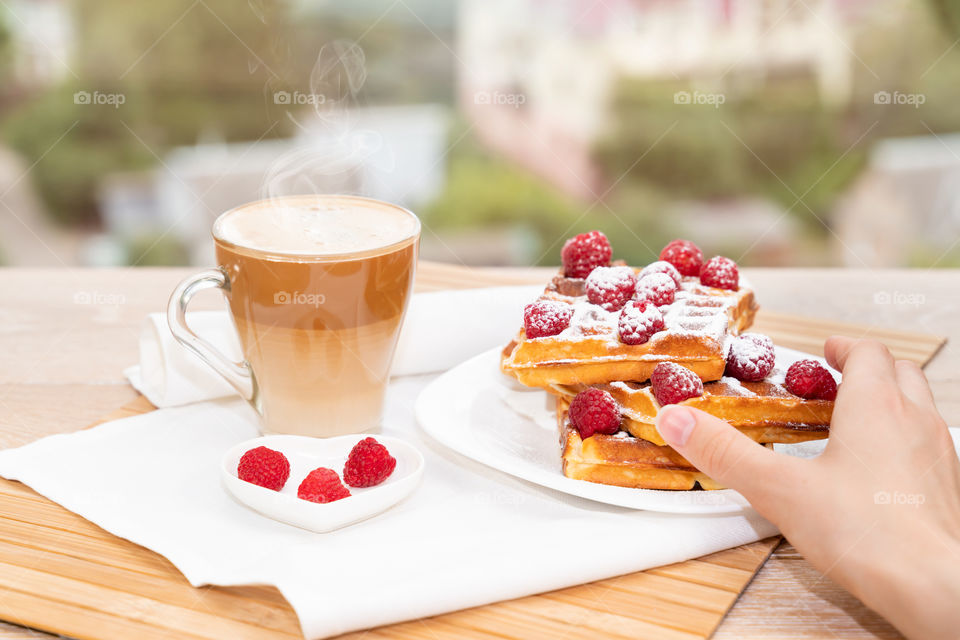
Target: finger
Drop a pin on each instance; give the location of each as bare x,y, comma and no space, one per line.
723,453
913,383
860,359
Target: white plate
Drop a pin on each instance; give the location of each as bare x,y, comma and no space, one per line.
306,454
485,415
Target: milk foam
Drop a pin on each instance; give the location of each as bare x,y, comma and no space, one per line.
316,226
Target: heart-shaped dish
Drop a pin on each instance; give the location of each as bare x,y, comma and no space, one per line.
306,454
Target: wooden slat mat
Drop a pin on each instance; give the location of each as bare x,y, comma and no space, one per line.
63,574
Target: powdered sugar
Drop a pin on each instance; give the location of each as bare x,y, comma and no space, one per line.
697,312
662,266
734,386
778,376
590,319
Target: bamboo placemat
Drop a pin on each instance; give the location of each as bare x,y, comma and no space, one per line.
63,574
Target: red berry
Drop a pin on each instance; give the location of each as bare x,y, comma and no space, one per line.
639,320
546,318
582,253
750,358
611,287
662,266
811,380
595,411
672,383
368,464
721,273
322,485
684,255
658,288
264,467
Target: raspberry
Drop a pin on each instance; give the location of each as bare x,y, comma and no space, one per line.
750,357
658,288
546,318
639,320
595,411
684,255
809,379
672,383
611,287
368,464
582,253
662,266
721,273
322,485
265,468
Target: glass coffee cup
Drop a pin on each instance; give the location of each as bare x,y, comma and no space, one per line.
317,288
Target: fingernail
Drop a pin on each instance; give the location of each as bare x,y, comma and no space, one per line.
675,424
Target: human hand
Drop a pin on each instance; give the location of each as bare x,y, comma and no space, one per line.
879,510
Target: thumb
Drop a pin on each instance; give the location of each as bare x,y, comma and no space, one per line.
723,453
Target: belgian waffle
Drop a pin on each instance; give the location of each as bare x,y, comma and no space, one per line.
589,351
764,411
624,460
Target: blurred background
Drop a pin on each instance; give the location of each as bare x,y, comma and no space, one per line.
776,132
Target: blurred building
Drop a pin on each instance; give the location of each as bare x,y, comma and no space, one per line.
391,153
41,39
904,205
537,76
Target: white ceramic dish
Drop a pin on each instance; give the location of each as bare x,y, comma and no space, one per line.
479,412
306,454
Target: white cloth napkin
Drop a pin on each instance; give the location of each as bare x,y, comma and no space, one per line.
468,322
468,535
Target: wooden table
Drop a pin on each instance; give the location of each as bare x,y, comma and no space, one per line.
66,335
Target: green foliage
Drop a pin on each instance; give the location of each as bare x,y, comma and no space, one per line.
778,143
198,76
484,192
156,251
948,12
188,69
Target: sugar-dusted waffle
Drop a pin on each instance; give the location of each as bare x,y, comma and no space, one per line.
589,350
607,433
764,411
617,344
623,460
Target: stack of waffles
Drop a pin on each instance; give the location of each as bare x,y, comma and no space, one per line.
614,344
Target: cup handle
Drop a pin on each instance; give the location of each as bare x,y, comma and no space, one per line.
238,374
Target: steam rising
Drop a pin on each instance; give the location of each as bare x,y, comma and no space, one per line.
333,150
